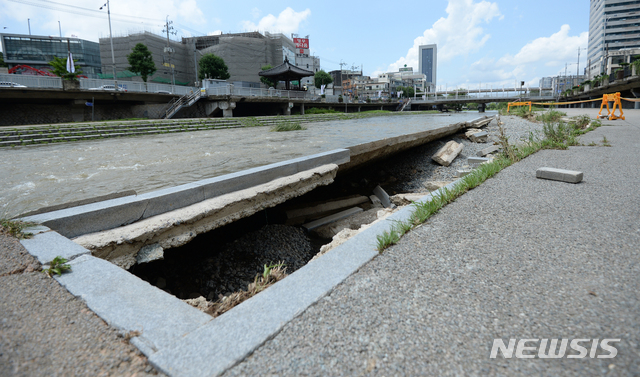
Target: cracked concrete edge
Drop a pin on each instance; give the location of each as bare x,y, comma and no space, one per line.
109,214
178,227
227,340
46,246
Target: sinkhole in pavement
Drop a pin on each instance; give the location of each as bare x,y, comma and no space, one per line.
227,259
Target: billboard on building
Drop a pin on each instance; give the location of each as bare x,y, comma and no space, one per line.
302,45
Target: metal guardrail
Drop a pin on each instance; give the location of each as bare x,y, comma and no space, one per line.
260,92
31,81
178,103
483,96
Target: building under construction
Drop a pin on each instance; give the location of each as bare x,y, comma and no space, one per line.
244,53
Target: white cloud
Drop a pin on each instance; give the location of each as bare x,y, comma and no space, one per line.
543,56
458,34
138,15
288,21
255,13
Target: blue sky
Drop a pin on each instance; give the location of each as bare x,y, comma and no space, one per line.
489,42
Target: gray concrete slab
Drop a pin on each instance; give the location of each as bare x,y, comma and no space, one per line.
48,245
332,218
109,214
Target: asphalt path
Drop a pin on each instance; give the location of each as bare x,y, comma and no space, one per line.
516,258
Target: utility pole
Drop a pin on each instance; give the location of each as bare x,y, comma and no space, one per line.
113,59
29,23
170,30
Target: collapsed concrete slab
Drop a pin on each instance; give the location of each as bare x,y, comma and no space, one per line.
176,228
488,150
479,137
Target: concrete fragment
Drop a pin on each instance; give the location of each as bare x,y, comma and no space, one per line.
351,222
479,137
448,153
329,219
383,196
561,175
486,151
326,207
434,185
462,173
375,201
150,253
471,131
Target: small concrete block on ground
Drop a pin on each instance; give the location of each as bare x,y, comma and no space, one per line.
479,137
488,150
477,160
561,175
46,246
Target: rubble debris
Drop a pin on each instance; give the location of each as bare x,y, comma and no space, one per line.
329,219
448,153
435,185
383,196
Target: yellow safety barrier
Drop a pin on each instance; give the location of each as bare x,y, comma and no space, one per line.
615,98
514,104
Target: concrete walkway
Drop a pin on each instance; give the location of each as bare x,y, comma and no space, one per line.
517,257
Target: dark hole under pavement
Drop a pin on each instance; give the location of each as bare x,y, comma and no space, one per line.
227,259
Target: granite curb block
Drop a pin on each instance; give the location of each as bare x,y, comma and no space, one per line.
129,303
230,338
109,214
48,245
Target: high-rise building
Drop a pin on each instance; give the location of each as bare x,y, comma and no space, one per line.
428,64
614,34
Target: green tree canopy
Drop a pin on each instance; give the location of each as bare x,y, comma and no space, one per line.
269,82
2,63
59,68
322,78
141,61
213,67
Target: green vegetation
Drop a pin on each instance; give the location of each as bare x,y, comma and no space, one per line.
287,126
2,63
269,82
605,142
141,61
57,266
250,122
15,228
59,68
551,116
322,78
212,67
317,110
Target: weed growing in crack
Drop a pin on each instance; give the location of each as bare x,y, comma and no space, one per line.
57,266
605,142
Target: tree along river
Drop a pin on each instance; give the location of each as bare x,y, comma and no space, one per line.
33,177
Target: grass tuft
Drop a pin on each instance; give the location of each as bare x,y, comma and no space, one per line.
287,126
15,228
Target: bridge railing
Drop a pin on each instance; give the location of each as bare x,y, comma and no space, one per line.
32,81
260,92
140,87
44,82
436,97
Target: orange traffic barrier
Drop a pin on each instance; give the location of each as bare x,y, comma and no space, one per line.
514,104
615,98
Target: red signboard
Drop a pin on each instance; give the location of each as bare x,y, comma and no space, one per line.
301,42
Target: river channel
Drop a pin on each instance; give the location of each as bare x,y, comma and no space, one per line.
33,177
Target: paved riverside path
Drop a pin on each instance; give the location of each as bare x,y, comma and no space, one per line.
517,257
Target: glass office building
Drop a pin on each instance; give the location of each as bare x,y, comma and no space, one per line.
428,64
38,51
